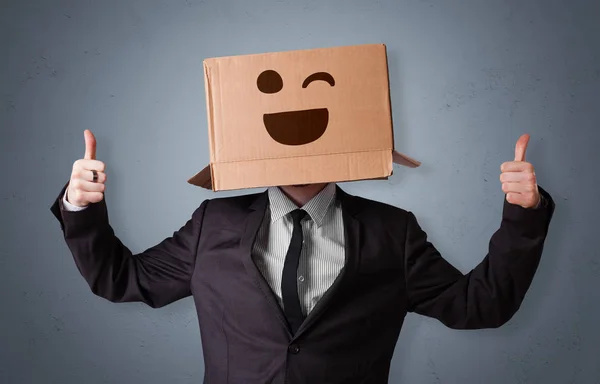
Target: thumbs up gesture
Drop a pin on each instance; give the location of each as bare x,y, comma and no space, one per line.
518,178
88,177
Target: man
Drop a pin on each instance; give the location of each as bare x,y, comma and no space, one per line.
310,295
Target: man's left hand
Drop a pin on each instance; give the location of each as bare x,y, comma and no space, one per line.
518,178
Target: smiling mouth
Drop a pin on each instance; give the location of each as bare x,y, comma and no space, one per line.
297,127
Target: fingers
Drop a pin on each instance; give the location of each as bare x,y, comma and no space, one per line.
90,145
525,200
82,198
87,186
87,175
517,177
88,165
516,166
518,187
82,189
521,147
93,197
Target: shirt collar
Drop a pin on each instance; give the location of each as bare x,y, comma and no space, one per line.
316,208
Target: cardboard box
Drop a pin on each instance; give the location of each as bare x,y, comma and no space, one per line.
299,117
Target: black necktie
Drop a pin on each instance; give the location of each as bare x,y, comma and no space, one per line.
289,283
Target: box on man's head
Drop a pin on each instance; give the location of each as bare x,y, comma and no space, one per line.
299,117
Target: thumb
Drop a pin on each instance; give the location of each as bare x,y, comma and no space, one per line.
521,147
90,145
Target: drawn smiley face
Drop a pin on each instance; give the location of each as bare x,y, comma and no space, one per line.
294,127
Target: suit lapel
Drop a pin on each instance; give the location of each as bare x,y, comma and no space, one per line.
251,227
351,247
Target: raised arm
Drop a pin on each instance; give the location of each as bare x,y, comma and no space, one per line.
490,294
158,276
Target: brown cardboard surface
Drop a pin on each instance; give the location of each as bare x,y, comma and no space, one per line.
298,117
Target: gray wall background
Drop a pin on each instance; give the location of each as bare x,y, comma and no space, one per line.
467,78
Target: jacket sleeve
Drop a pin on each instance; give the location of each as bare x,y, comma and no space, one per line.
490,294
157,276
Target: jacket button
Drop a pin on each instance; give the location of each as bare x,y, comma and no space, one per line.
294,349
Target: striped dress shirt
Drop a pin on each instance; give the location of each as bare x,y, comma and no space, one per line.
323,255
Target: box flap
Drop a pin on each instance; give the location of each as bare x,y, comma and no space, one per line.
202,179
402,159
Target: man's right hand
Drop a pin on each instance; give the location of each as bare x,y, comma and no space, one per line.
82,189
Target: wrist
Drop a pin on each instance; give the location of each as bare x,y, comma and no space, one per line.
69,206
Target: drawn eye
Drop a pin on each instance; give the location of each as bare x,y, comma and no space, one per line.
324,76
269,81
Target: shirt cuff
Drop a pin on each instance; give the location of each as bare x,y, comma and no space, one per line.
541,202
70,207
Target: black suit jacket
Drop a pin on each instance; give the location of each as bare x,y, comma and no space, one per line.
391,269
